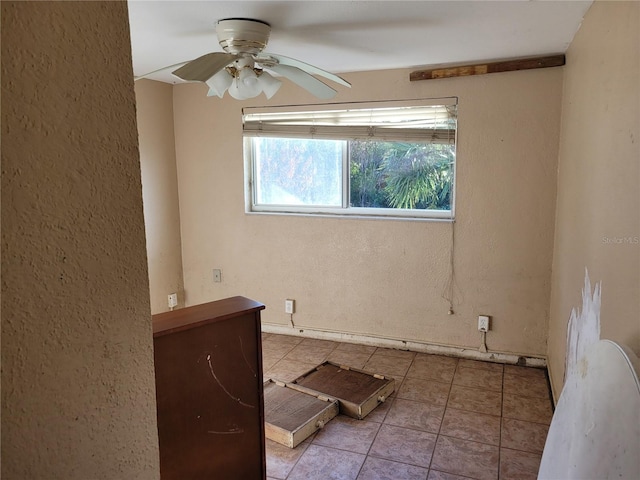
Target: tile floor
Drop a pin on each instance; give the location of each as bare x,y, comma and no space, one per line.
448,419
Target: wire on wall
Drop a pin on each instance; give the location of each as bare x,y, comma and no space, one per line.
449,292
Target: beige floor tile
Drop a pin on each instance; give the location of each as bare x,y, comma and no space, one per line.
288,370
525,371
289,339
398,381
387,365
281,459
529,409
417,415
316,342
347,433
475,400
515,465
428,391
459,398
392,352
466,458
430,370
351,359
269,361
432,359
276,349
521,435
379,469
379,413
404,445
324,463
526,386
435,475
308,354
471,426
478,378
356,348
496,367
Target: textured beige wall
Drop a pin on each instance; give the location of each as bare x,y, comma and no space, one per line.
78,397
598,219
154,102
377,277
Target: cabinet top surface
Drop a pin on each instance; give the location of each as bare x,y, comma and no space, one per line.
198,315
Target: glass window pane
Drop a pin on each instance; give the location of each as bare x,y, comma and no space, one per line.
401,175
302,172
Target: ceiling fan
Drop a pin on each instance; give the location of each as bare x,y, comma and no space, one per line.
242,67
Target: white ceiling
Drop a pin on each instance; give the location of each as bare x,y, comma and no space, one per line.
346,36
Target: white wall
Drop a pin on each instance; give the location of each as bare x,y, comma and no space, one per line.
154,102
598,219
78,396
386,278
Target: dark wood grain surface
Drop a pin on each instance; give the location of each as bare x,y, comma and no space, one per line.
208,364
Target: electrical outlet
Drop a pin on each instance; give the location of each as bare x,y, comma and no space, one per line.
483,323
217,275
289,306
172,300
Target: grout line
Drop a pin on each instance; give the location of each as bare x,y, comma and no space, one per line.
433,454
523,451
501,423
472,441
298,460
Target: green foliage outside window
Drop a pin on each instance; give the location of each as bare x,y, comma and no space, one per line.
401,175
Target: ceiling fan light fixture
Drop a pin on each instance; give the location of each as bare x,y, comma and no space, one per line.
270,85
219,83
248,78
243,40
240,91
236,91
245,85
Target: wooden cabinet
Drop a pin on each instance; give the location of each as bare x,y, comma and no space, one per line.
208,364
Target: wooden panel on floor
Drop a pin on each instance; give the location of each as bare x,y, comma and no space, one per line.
358,392
292,416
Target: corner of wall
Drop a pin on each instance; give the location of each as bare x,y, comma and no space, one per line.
598,168
160,192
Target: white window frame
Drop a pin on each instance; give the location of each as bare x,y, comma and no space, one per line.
345,211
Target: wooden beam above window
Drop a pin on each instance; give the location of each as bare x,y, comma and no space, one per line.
484,68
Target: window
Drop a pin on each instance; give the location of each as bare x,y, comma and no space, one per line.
383,159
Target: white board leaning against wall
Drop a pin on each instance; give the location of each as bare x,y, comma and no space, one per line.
595,431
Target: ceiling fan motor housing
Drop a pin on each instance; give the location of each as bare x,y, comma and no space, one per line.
242,36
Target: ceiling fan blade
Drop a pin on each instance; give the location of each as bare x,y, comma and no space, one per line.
292,62
203,68
305,80
159,70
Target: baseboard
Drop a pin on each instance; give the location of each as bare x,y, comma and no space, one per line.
422,347
555,396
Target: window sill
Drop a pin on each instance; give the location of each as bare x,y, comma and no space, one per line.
355,216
